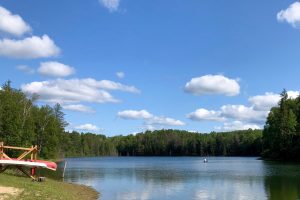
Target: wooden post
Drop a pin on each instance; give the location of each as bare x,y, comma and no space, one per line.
35,152
31,155
1,150
63,175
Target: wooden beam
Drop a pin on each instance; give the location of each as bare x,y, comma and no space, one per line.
18,148
26,173
25,154
6,156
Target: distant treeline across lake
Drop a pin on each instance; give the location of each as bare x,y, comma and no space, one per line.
166,143
23,123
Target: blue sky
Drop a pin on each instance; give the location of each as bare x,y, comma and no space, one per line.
192,65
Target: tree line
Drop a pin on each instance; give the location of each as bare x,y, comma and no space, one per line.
24,123
165,143
184,143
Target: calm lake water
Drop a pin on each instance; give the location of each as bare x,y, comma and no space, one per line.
179,178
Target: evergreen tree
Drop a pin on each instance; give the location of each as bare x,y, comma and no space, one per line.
280,132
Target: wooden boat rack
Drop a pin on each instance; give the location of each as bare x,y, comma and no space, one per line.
32,151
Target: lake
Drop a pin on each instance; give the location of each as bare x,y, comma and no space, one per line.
178,178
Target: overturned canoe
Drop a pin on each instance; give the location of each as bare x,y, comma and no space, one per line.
29,163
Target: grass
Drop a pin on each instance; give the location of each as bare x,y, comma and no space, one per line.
50,189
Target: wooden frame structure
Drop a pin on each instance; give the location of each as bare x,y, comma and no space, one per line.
26,151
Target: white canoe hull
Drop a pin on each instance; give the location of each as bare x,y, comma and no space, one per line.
23,163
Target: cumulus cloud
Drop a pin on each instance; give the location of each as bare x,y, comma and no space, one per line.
164,121
134,114
149,127
237,125
120,75
111,85
30,47
12,24
213,84
75,90
269,100
259,105
79,108
227,112
293,94
150,120
243,113
238,117
26,69
290,15
26,48
87,127
55,69
205,115
111,5
264,102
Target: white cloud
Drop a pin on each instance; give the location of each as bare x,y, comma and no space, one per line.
25,69
134,114
150,120
291,15
243,117
30,47
264,102
111,5
149,127
75,90
111,85
226,112
293,94
164,121
243,113
87,127
55,69
120,75
237,125
212,84
269,100
79,108
203,114
12,24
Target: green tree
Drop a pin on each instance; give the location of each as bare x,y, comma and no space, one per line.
280,131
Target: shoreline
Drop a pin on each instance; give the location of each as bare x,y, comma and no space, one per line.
20,187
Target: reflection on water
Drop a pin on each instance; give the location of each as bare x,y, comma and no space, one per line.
185,178
282,181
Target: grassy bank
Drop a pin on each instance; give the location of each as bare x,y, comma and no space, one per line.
18,187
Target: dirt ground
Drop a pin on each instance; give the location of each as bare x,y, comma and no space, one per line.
9,192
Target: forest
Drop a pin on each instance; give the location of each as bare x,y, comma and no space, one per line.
24,123
166,143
